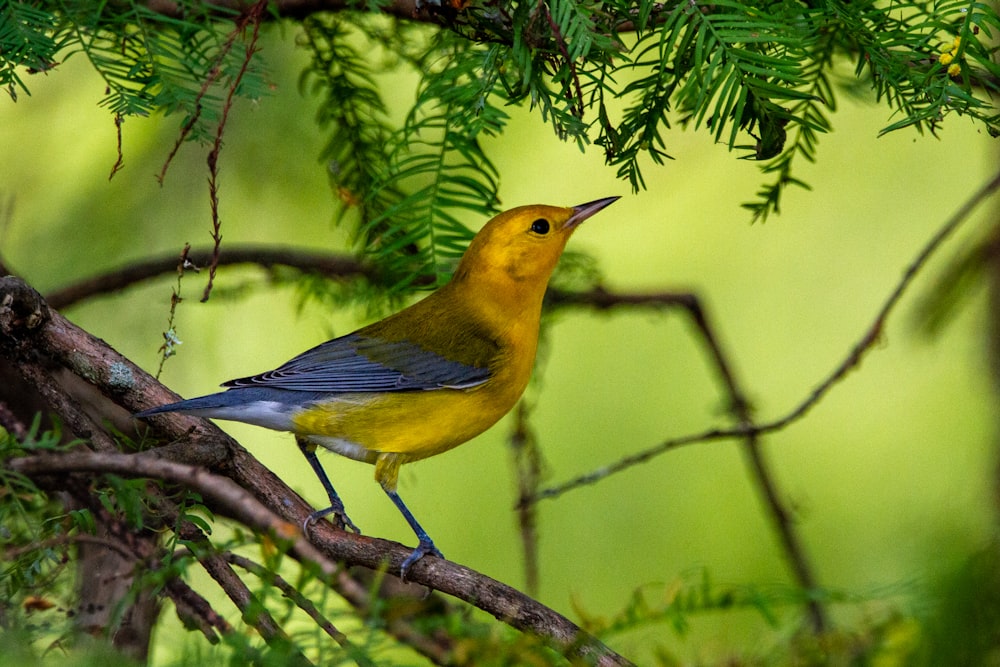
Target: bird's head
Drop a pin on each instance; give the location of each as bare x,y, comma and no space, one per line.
521,247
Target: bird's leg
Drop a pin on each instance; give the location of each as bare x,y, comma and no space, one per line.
425,545
387,474
336,508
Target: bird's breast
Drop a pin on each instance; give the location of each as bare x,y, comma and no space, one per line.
416,424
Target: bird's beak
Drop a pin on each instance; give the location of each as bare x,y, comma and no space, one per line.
584,211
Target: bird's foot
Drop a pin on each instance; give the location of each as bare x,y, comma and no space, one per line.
340,519
425,548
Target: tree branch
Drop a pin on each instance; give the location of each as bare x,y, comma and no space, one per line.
254,614
599,298
436,644
325,264
195,611
739,407
28,327
302,602
527,462
294,9
853,359
221,494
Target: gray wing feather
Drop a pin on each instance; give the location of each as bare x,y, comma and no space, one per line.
355,363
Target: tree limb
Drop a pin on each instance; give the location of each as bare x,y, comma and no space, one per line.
325,264
599,298
853,358
739,407
294,9
302,602
28,327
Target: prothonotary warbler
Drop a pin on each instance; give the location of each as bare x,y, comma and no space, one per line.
424,380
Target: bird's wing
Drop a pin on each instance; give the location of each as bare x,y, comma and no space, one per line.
357,363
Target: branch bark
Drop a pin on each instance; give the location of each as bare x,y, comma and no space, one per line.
295,9
599,298
742,413
325,264
28,328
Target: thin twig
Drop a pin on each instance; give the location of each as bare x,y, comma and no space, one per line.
527,472
576,103
297,9
433,641
222,493
64,540
10,423
67,407
853,358
253,612
195,610
120,161
302,602
170,340
739,407
214,74
760,471
601,298
252,17
330,265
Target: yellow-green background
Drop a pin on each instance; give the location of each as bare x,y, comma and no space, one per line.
890,476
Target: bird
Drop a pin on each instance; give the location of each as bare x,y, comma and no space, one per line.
423,380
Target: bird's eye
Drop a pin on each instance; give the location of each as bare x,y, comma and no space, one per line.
540,226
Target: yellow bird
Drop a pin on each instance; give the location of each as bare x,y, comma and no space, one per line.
424,380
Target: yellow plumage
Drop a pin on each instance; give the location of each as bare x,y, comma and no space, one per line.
424,380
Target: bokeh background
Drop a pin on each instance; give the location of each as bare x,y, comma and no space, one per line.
891,476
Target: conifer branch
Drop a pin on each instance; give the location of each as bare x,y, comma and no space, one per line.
763,81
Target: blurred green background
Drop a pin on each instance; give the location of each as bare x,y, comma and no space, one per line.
891,475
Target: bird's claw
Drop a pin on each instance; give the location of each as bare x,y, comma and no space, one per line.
425,548
340,519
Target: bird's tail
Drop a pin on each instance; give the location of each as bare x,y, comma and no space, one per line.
210,402
263,406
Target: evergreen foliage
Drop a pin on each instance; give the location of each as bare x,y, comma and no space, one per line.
761,77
